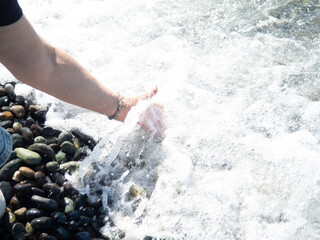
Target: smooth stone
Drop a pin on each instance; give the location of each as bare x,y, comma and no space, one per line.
68,188
26,134
2,92
51,140
45,203
49,237
88,140
84,220
51,189
40,178
69,166
61,157
44,150
12,97
18,111
33,213
29,230
81,153
33,108
9,168
6,115
41,223
83,236
36,130
21,214
40,115
22,189
17,127
68,148
18,231
64,136
4,101
29,122
55,147
40,139
28,156
17,176
95,203
17,140
50,132
6,189
6,124
15,203
37,191
9,88
73,226
5,109
81,201
52,166
20,100
57,178
59,218
62,234
27,172
74,216
69,205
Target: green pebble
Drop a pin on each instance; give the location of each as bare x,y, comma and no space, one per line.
69,166
68,147
61,157
28,156
40,139
52,166
69,205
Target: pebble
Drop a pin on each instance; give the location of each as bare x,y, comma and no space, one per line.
64,136
17,127
26,134
22,189
69,166
27,172
29,230
37,191
21,214
15,203
8,88
44,150
28,156
88,140
51,140
18,231
51,189
69,205
83,236
52,166
62,233
59,218
41,223
4,101
68,147
57,178
9,168
2,92
35,129
6,124
33,213
6,115
49,132
18,111
40,139
46,204
17,176
17,140
6,189
61,157
40,178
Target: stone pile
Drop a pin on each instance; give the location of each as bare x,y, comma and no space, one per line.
41,203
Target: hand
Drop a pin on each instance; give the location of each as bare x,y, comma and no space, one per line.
129,102
153,120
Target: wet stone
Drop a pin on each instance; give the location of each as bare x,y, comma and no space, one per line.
26,134
18,111
61,157
69,205
21,214
74,216
17,140
22,189
46,204
29,122
81,153
15,203
68,188
68,147
20,100
41,223
51,189
18,231
55,147
62,234
64,136
8,169
44,150
40,178
4,101
50,132
69,166
9,88
57,178
40,139
17,176
40,116
51,140
28,156
84,220
33,108
52,166
37,191
2,92
49,237
6,115
88,140
17,127
59,218
73,226
36,130
27,172
83,236
33,213
6,189
29,230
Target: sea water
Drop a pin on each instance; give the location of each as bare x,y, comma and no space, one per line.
240,85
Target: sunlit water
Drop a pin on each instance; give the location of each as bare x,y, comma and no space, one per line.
240,85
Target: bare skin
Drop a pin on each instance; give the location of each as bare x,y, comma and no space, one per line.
34,61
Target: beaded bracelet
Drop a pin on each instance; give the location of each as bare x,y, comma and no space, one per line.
116,114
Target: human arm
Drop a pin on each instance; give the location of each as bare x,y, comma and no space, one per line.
34,61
